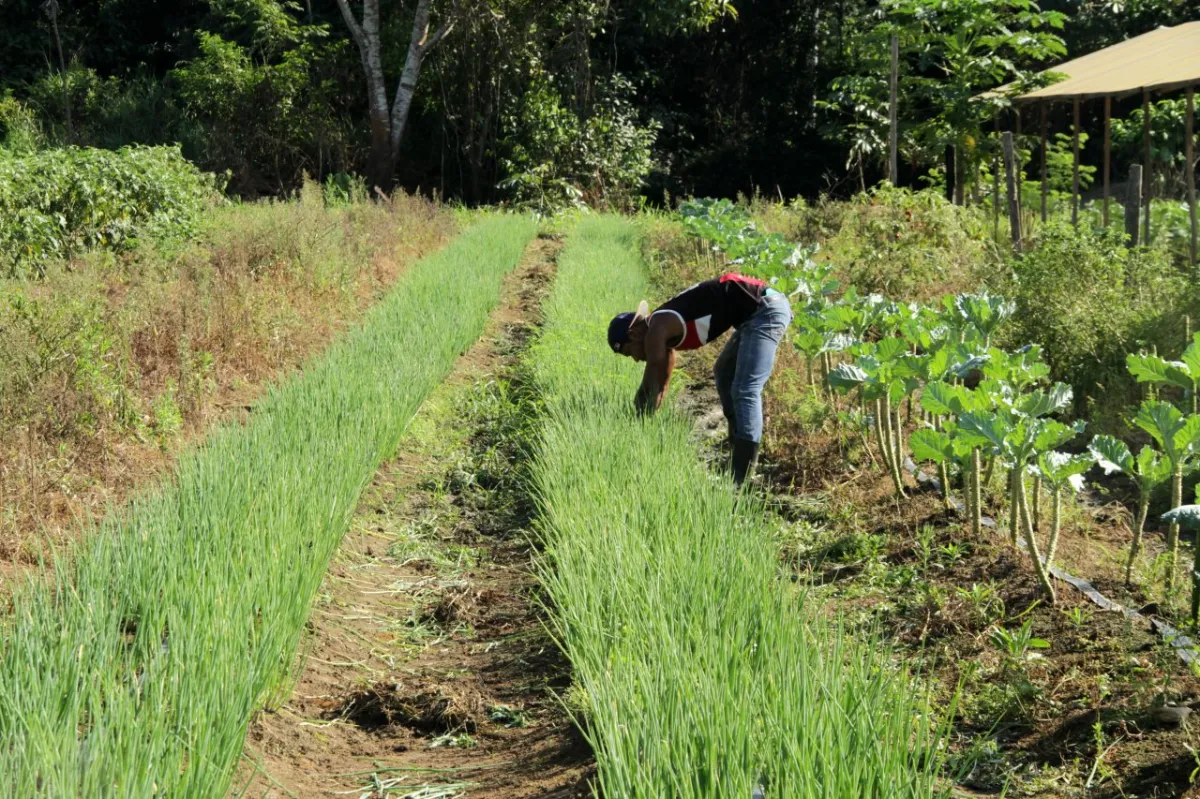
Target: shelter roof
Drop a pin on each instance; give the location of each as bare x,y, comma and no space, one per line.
1161,60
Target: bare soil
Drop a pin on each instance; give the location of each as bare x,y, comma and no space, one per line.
428,670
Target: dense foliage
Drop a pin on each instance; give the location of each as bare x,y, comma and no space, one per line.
57,202
704,97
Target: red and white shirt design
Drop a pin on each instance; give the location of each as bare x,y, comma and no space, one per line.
711,307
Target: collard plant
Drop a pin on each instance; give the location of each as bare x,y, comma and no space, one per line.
1149,469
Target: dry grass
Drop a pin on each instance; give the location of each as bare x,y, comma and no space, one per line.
109,366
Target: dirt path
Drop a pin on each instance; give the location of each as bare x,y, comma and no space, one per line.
428,671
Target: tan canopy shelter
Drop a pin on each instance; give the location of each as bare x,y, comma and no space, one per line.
1163,60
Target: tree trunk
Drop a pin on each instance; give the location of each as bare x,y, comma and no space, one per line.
388,123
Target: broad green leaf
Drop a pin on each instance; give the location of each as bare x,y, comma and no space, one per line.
1191,356
889,349
847,376
1187,440
1050,433
1162,420
809,342
1152,468
931,445
984,429
1061,469
1187,516
1045,402
1112,454
1152,369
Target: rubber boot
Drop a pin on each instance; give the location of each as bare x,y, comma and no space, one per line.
745,456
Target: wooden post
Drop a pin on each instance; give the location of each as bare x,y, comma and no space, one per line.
1147,166
951,173
1133,204
1107,155
1190,151
894,114
960,178
1020,164
1045,172
996,185
1014,210
1075,168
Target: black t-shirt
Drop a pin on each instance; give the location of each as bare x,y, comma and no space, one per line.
711,307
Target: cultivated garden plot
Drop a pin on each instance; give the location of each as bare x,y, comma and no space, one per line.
135,668
427,667
698,673
1053,698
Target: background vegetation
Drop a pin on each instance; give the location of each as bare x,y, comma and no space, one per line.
573,99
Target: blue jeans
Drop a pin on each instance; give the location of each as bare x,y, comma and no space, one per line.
744,365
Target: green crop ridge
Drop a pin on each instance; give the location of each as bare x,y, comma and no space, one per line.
134,671
702,672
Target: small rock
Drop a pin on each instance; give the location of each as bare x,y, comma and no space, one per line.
1171,715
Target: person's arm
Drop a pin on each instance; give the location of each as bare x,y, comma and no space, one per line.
660,362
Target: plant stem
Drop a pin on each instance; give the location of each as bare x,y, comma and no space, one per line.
1136,546
1055,523
1014,506
884,449
1173,530
944,476
976,495
991,471
1031,540
891,445
1037,502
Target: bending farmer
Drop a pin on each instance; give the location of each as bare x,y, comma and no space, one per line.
692,319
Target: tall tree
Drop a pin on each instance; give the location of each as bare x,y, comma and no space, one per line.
388,121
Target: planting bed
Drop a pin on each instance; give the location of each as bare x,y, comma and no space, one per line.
135,668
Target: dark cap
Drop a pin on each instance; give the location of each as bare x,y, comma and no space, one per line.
618,329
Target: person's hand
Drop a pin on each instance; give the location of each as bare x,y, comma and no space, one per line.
641,402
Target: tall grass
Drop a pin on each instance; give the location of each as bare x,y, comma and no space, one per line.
704,674
135,668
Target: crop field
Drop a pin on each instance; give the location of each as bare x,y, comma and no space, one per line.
447,557
135,671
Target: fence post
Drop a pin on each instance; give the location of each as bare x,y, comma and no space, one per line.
1133,204
894,115
1014,209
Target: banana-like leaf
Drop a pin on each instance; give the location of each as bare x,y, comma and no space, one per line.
1186,515
1162,421
1152,369
1112,454
847,376
931,445
1043,403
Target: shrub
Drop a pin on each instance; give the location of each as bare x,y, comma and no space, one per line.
1090,301
55,203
